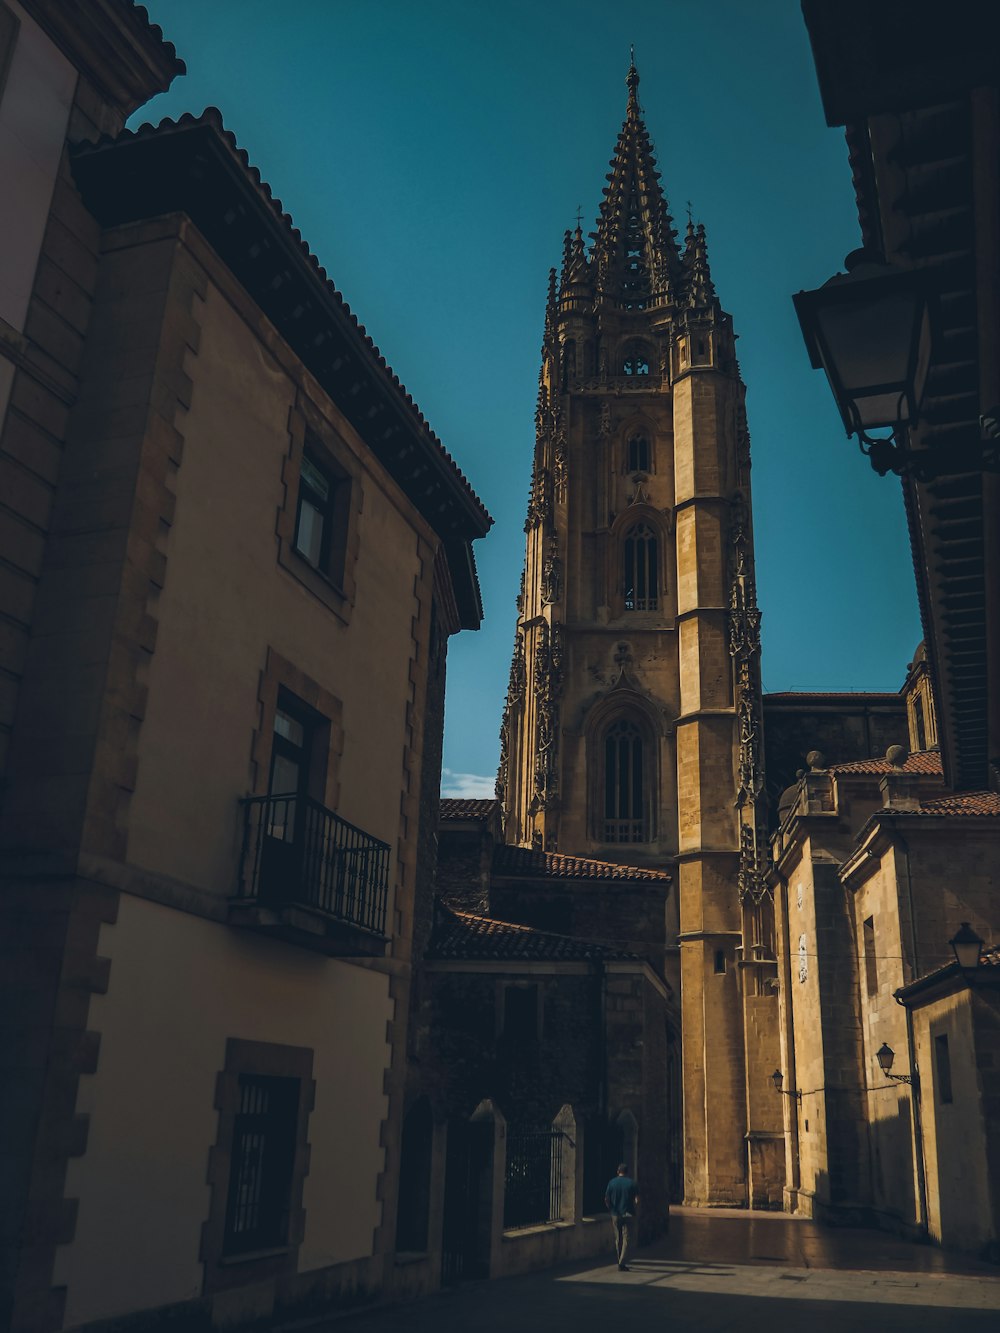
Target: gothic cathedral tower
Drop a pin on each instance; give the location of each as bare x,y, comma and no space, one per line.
631,731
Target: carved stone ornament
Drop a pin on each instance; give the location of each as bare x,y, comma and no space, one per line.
559,468
744,647
515,693
552,575
605,418
540,503
500,788
548,685
752,869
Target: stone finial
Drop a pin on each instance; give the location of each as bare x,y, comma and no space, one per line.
816,759
897,755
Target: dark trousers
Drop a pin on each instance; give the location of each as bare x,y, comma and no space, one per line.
623,1236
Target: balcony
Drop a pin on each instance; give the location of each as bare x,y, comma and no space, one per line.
309,877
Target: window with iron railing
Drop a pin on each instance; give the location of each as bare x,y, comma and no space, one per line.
296,852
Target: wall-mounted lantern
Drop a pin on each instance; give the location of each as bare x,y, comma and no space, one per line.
870,330
777,1078
967,946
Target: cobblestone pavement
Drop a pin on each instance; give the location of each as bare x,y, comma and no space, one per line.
724,1271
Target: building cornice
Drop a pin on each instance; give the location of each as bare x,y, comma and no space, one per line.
114,45
194,166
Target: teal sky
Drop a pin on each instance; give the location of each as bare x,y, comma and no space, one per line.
432,155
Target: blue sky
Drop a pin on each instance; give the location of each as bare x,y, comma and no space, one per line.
433,153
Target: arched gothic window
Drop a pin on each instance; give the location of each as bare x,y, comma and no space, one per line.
641,560
637,454
624,784
636,359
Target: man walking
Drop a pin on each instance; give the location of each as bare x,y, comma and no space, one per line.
621,1199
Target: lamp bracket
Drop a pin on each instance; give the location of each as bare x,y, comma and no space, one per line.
891,454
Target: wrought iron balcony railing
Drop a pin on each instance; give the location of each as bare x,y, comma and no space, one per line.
296,853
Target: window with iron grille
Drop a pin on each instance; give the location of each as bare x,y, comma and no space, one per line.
640,550
533,1177
624,784
261,1163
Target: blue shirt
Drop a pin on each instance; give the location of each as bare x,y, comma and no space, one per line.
621,1196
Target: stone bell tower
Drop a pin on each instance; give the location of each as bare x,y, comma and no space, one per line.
631,730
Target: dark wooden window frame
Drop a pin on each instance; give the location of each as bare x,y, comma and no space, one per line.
942,1069
282,680
333,580
266,1060
871,962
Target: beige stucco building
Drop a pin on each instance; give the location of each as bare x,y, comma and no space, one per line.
876,866
913,841
229,600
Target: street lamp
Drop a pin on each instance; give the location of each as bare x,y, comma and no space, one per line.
885,1056
777,1078
869,329
966,946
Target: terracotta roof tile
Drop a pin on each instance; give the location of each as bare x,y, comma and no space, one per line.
465,936
156,31
974,803
556,865
921,761
211,118
848,696
460,807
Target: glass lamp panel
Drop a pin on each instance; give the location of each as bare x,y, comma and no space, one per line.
309,537
867,351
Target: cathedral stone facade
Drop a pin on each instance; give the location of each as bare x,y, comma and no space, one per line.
632,726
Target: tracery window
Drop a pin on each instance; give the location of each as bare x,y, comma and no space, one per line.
624,784
636,359
641,569
637,454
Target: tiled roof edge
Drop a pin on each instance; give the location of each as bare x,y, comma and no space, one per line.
211,118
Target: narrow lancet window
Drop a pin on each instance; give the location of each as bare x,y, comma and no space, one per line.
624,795
642,584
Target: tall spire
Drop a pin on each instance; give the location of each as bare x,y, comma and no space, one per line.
635,244
699,288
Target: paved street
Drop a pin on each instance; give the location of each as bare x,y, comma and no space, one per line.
723,1271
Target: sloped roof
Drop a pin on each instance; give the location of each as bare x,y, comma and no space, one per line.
969,803
194,166
921,761
465,936
556,865
461,807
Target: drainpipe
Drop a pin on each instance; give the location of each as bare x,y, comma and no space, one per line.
786,985
918,1129
918,1126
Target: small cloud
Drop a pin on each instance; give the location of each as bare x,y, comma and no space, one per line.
470,785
